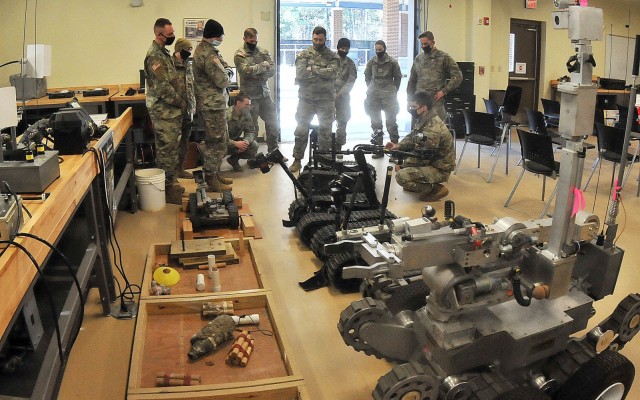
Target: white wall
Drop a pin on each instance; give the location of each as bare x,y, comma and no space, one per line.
99,42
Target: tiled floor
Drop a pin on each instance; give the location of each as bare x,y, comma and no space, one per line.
98,367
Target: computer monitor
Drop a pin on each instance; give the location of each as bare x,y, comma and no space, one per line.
234,78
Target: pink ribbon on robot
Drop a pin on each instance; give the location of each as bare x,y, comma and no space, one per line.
578,201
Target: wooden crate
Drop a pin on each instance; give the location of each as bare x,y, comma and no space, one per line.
184,228
277,391
244,276
161,343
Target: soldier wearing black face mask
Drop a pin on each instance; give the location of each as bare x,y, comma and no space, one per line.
165,105
430,71
181,54
382,76
255,67
429,136
316,70
347,74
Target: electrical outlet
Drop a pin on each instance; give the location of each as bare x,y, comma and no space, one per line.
499,68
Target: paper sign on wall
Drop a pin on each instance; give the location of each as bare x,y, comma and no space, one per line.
521,68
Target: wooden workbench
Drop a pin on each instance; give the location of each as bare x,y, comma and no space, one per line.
46,102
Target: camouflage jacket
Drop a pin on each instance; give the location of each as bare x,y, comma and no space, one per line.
430,135
253,72
185,72
347,74
211,77
429,73
162,96
316,73
382,76
240,127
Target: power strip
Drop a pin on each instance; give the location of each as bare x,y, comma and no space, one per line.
10,217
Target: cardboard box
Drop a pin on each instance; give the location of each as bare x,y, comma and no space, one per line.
161,344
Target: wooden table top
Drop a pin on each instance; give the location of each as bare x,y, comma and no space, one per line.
45,101
49,218
120,96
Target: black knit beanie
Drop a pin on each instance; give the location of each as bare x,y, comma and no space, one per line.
344,42
212,29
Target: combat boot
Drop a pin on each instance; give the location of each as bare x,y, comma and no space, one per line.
295,166
173,194
233,161
376,138
226,181
438,192
214,185
184,174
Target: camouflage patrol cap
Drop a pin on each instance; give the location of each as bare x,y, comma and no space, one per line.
182,44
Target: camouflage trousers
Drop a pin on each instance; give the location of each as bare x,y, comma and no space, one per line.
167,138
251,151
420,179
438,107
184,139
326,111
265,108
343,115
215,140
374,107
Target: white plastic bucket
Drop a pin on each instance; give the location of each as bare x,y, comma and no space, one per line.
150,184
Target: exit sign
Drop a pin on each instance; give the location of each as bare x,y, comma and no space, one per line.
530,3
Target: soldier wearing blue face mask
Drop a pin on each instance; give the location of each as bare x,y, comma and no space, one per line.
212,77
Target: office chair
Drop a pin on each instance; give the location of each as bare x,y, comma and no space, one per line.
480,129
537,124
537,153
492,108
551,110
511,102
610,145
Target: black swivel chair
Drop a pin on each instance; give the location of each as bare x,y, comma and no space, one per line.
551,110
610,146
480,129
537,153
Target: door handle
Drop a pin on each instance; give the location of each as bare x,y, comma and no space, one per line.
519,78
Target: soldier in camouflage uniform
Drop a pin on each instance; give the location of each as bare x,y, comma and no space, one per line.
431,137
212,77
165,105
430,71
255,66
181,54
242,132
347,74
316,69
382,76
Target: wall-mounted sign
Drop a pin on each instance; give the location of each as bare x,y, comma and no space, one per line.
521,68
530,3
